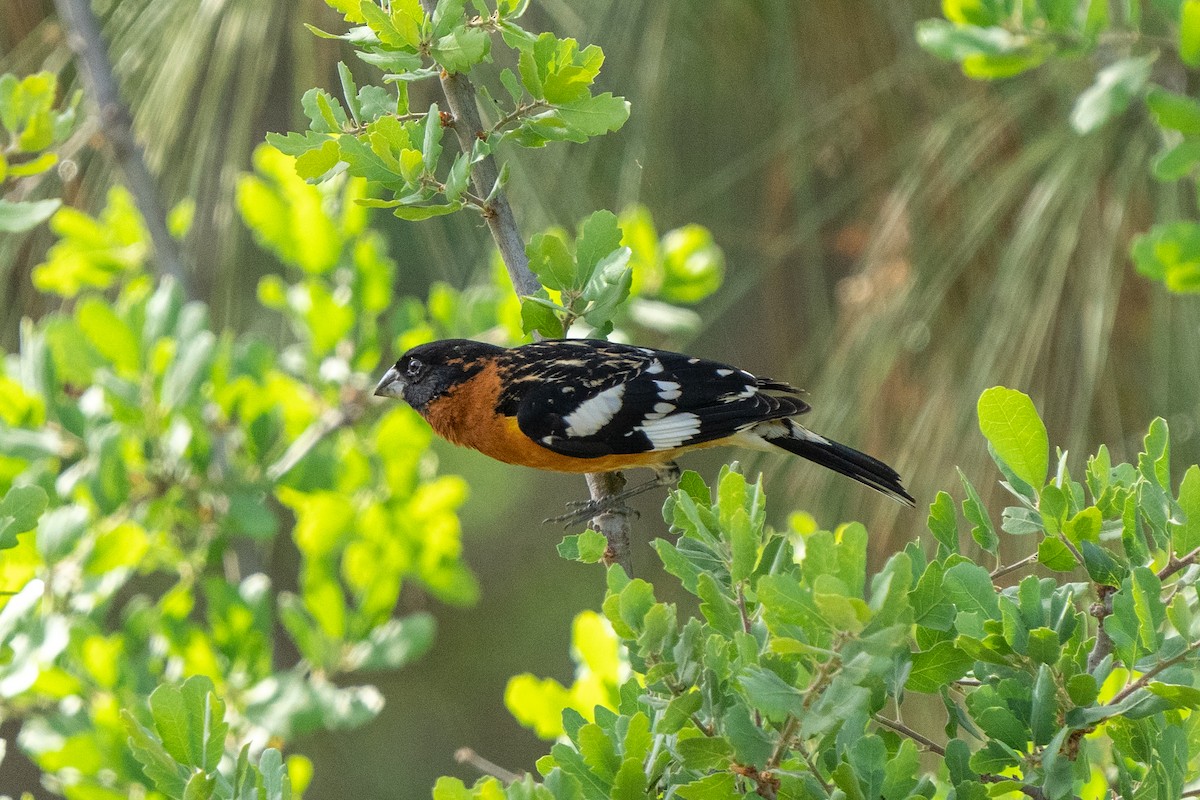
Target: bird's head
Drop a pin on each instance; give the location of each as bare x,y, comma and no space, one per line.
428,371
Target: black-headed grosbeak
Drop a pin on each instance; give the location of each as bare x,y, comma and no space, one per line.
582,405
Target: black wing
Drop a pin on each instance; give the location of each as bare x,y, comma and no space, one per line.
586,398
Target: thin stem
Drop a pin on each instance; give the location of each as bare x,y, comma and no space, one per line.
521,109
1176,564
1104,644
116,124
785,736
465,755
497,213
1141,682
901,728
1000,572
812,767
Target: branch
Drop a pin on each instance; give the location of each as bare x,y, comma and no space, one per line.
460,97
1141,682
1002,571
465,755
1176,564
919,738
116,124
1101,609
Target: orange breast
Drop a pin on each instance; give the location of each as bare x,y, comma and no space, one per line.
467,416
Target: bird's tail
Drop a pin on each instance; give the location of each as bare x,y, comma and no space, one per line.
840,458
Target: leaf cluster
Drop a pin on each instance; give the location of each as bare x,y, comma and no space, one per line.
149,463
1141,52
30,127
374,133
807,676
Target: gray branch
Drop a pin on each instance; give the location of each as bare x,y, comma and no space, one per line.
460,97
116,124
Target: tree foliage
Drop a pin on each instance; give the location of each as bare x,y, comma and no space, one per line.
156,471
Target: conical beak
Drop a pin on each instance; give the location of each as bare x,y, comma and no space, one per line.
391,385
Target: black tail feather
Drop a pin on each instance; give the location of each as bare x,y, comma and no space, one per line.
845,460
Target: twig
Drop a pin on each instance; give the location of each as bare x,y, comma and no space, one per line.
522,108
1141,682
1176,564
1033,792
325,424
789,730
498,214
1000,572
116,124
812,767
919,738
1101,609
465,755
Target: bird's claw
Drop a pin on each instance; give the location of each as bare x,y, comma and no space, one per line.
583,510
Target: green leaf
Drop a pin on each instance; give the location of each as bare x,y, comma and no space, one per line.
461,49
1055,555
679,712
982,530
1174,111
594,116
393,644
704,752
943,523
1177,161
984,52
60,530
1043,646
1044,714
598,750
599,236
1189,33
551,261
937,667
1101,566
418,213
17,217
969,587
1148,606
1178,695
1185,537
770,694
718,786
588,547
20,510
1170,253
1010,423
1116,85
539,314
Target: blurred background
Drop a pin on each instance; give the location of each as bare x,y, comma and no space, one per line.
897,238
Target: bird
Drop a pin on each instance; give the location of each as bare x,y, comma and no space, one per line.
588,405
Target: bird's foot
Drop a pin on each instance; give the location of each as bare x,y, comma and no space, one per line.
582,510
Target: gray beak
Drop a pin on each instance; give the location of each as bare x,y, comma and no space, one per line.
391,385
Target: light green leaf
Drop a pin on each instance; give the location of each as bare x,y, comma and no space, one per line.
1116,85
1009,421
770,694
1185,537
17,217
20,510
1189,33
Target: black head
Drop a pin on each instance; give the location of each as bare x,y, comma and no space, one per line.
427,371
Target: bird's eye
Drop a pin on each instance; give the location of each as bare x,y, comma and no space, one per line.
414,368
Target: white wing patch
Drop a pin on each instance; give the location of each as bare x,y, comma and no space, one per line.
595,412
668,390
670,431
655,367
